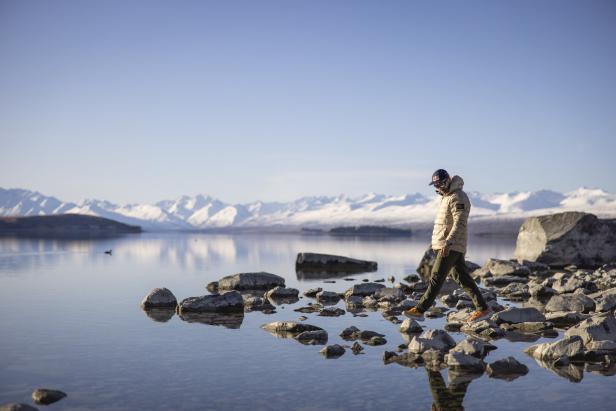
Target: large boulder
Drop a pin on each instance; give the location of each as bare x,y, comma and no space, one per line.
330,262
567,238
231,301
250,281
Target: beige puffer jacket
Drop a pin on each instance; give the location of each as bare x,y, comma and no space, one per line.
452,218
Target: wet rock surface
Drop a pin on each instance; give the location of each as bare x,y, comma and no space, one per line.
331,262
518,315
333,351
231,301
282,293
328,297
571,306
313,337
47,396
250,281
159,298
507,369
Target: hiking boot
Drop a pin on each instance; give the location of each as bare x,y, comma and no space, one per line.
413,313
479,315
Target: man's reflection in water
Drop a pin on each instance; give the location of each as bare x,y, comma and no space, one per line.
446,398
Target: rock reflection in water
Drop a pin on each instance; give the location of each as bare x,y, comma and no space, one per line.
283,300
160,315
321,274
448,398
573,372
606,368
228,320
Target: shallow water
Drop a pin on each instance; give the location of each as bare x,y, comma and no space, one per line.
70,320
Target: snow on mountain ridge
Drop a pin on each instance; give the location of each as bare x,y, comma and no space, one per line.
204,211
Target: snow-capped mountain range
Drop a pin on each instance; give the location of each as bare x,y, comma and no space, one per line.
205,212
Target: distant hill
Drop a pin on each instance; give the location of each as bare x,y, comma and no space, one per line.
63,225
371,231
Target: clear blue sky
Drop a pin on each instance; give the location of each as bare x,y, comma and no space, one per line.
136,101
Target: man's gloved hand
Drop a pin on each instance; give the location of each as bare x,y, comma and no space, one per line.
445,249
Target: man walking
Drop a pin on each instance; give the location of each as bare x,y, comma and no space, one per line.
449,239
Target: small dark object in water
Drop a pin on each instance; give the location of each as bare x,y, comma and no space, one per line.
108,252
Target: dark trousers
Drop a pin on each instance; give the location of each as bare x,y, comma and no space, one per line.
460,274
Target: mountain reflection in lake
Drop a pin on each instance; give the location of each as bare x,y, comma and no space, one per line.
71,320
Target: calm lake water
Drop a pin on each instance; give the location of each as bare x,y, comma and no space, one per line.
70,319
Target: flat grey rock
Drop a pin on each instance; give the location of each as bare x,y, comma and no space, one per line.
516,315
577,302
331,262
251,281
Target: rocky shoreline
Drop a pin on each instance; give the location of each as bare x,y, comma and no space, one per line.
573,305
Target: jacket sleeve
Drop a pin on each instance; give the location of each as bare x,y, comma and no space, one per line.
460,210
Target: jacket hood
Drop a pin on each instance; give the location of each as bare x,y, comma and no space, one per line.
456,184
